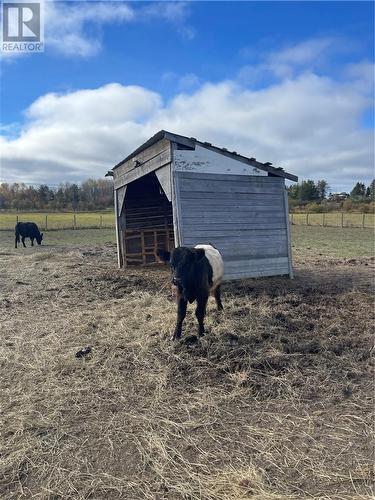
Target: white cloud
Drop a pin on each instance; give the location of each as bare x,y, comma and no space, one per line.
110,104
362,76
73,28
305,52
175,13
287,62
309,125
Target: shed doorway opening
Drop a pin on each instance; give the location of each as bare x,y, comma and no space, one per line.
147,219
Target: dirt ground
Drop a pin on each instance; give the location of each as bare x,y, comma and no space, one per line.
275,402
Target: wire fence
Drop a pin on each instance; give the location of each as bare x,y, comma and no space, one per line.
90,220
51,221
333,219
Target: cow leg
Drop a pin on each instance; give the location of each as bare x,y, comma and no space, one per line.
218,298
23,241
200,311
32,241
181,313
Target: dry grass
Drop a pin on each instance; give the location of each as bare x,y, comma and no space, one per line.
274,403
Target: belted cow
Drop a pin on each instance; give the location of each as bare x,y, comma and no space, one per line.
28,230
196,272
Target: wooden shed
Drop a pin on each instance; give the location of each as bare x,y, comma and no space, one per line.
175,190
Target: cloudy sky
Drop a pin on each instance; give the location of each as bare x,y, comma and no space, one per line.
286,82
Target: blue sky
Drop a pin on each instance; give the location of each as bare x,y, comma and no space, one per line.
287,82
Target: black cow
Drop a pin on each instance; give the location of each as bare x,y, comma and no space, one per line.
28,230
195,273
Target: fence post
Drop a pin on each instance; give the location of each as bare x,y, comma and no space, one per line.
342,219
16,219
363,220
101,222
74,222
324,220
307,219
46,225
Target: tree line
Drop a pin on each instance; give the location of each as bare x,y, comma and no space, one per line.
97,194
317,197
92,194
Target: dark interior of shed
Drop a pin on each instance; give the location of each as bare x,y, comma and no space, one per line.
148,221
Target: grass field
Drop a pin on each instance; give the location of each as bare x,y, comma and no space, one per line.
106,219
276,402
64,220
66,237
330,241
334,219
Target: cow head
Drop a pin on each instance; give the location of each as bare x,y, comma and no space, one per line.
184,264
39,238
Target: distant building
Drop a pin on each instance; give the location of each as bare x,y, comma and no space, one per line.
338,196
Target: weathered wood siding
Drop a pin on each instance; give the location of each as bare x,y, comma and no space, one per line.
150,159
203,160
243,216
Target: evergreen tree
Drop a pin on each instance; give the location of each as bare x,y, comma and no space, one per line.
43,195
322,189
358,192
293,191
370,191
308,191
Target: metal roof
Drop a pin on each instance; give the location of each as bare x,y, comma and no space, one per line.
192,141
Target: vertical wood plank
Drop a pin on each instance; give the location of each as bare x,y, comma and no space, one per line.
342,219
363,220
143,247
124,246
120,258
176,203
286,208
166,234
164,177
155,244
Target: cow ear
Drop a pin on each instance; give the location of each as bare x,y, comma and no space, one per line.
163,255
199,254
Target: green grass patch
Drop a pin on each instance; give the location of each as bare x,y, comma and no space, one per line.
333,241
330,241
61,220
65,237
333,219
106,219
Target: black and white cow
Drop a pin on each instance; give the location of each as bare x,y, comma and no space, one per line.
196,272
28,230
